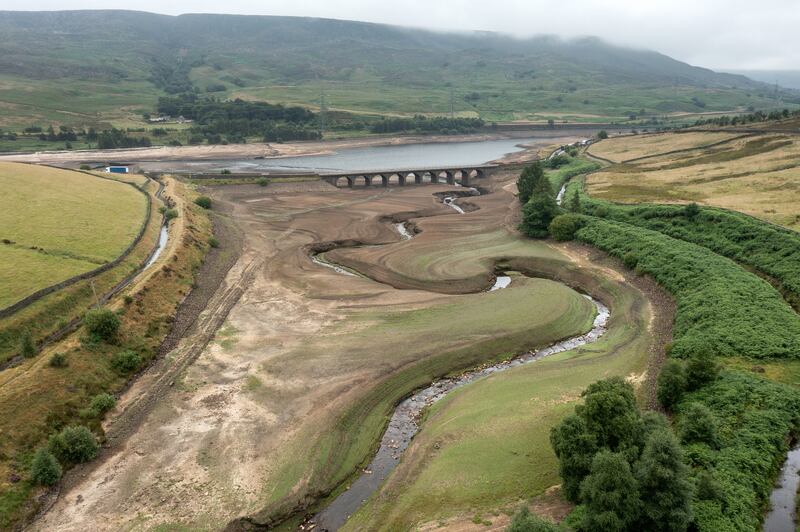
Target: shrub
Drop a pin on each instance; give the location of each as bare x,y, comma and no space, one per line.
170,214
525,521
74,444
262,181
45,469
563,227
102,324
700,370
698,425
671,384
85,167
213,242
125,361
603,134
102,403
58,360
691,210
225,172
26,347
203,201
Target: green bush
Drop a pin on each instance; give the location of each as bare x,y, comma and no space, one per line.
671,384
564,226
85,167
58,360
203,201
170,214
27,347
213,242
74,444
262,181
525,521
698,425
101,324
102,403
722,309
225,172
126,361
700,370
45,469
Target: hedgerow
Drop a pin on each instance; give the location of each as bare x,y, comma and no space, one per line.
770,249
721,308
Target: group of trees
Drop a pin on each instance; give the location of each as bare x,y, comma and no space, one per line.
733,427
423,124
626,470
754,117
238,119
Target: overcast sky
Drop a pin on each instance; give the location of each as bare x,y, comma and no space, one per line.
720,34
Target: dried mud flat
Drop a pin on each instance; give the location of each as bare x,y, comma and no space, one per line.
270,362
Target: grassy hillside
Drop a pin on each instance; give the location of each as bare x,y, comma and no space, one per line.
58,223
107,67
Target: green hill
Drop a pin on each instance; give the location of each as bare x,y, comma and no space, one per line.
107,67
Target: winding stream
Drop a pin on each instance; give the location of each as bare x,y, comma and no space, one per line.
404,424
163,236
782,513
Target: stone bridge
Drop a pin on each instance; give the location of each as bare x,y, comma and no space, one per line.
463,175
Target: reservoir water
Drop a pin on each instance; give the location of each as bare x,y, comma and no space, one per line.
433,154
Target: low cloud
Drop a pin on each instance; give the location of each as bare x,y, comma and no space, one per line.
720,34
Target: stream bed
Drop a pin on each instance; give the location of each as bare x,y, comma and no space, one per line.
782,513
404,423
163,236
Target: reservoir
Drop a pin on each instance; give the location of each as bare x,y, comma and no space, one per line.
366,158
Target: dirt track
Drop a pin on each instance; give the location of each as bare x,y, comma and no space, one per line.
209,431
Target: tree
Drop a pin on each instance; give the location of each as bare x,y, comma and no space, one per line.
575,448
102,324
671,383
75,444
665,488
610,494
525,521
529,180
611,414
603,134
564,226
700,370
45,469
575,202
698,425
537,215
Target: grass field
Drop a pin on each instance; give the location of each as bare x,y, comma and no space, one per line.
484,449
53,397
60,223
758,175
625,148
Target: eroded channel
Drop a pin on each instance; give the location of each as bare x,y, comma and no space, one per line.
783,512
404,423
